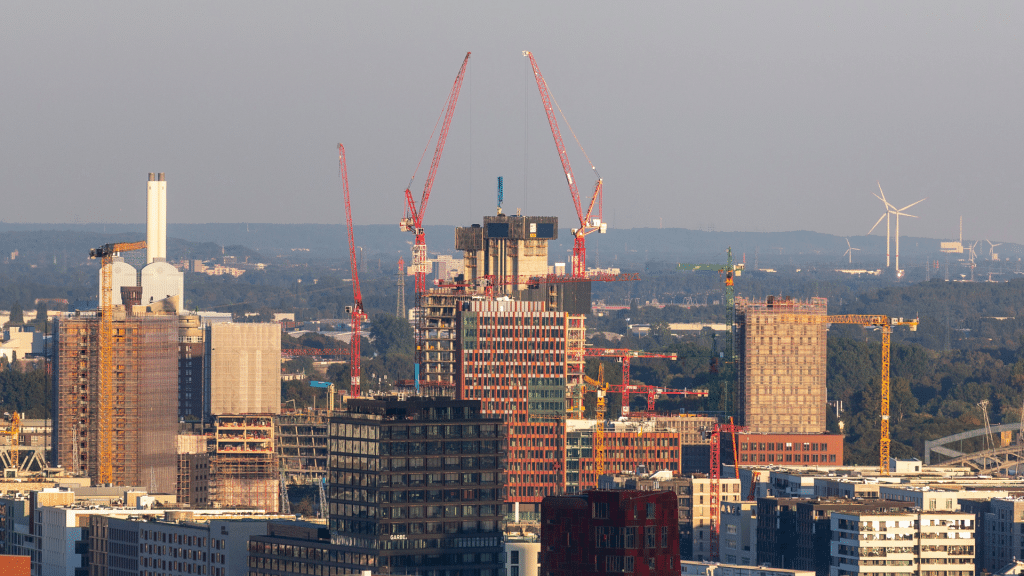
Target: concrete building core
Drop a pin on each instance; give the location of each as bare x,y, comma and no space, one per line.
781,344
243,363
507,246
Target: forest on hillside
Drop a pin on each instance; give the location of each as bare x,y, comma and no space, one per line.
968,346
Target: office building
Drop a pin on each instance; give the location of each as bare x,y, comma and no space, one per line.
513,360
610,532
299,548
781,346
766,449
417,484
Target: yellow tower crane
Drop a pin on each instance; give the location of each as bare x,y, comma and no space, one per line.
602,389
105,396
885,325
14,431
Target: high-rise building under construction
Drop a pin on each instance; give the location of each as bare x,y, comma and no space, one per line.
515,358
782,358
145,403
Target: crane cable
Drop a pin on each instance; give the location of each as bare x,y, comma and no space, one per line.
571,131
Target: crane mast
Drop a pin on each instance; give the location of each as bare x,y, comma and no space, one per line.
587,225
885,325
358,315
413,222
105,396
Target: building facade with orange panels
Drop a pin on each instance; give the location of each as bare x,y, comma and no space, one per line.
512,358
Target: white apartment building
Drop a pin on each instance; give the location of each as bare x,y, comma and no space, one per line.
911,543
702,511
738,535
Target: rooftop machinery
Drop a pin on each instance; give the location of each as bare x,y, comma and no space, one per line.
588,224
358,315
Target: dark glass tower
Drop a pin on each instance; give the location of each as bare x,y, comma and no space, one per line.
416,486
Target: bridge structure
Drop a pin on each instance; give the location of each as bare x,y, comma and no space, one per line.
1002,454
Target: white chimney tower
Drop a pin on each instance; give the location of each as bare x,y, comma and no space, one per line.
156,218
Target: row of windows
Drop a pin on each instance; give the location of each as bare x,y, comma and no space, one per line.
447,463
420,528
453,511
788,446
434,448
788,458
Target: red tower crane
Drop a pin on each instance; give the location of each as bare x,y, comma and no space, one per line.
588,225
413,220
715,476
358,315
625,355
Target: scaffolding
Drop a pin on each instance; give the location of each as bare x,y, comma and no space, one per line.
302,446
575,362
436,334
782,360
243,464
142,407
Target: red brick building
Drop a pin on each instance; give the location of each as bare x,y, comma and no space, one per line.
610,532
787,449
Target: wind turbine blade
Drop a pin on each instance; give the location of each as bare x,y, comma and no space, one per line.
847,242
910,205
880,218
883,195
902,214
886,202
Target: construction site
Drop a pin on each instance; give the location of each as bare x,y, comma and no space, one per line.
126,436
243,463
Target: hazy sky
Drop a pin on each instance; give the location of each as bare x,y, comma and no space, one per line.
765,116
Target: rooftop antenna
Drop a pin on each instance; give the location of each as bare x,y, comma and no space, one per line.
849,251
501,192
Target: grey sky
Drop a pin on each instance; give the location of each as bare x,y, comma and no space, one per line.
763,116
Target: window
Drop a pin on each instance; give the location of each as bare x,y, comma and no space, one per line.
664,536
650,510
600,510
514,557
649,535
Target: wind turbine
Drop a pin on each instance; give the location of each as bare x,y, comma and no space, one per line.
891,210
885,215
992,250
972,254
849,250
